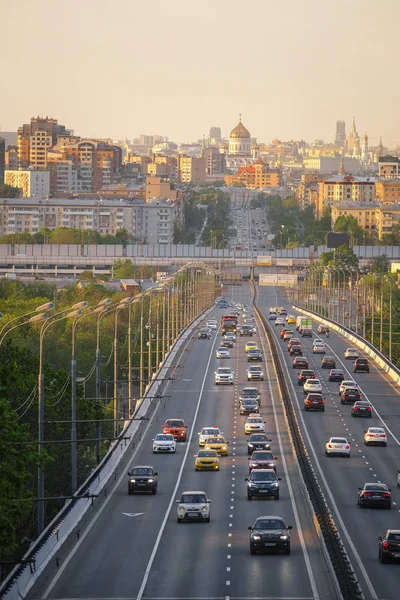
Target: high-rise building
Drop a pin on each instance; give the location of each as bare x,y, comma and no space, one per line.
11,157
35,138
215,161
32,183
340,138
215,133
192,169
2,159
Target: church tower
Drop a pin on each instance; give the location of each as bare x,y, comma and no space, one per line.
364,149
341,166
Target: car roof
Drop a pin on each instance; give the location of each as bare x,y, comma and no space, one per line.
194,492
142,467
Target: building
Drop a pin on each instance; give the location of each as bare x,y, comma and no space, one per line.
2,159
308,183
191,169
365,213
158,187
11,157
32,183
35,138
345,188
215,133
386,217
364,149
150,222
255,176
163,166
215,163
353,139
388,166
330,164
239,147
340,138
387,190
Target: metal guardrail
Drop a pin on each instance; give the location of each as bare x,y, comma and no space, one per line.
345,574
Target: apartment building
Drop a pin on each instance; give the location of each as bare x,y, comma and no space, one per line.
159,187
308,184
191,169
345,188
388,190
32,183
35,138
255,176
388,166
2,159
366,213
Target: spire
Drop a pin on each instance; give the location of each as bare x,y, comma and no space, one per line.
341,166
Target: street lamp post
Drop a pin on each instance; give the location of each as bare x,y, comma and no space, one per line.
390,317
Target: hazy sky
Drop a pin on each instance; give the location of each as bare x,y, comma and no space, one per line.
116,68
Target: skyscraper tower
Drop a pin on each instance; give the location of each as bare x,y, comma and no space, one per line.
340,138
353,138
364,149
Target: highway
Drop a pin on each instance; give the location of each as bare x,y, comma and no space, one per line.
339,477
136,549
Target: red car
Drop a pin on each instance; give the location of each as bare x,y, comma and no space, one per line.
283,331
262,459
177,428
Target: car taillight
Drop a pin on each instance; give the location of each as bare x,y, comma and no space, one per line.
385,544
356,408
369,408
383,434
367,494
386,495
370,434
330,446
347,447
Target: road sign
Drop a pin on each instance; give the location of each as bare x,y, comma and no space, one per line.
264,261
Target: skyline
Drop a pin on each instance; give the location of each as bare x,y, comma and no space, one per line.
148,71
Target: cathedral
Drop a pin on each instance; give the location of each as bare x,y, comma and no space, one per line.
241,150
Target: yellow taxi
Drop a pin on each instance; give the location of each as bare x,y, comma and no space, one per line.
206,460
217,443
291,319
250,346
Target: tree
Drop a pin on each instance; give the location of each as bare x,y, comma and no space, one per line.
86,276
8,191
380,264
326,258
123,269
349,224
345,257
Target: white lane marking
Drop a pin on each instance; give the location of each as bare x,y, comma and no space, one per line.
133,514
328,490
289,483
228,569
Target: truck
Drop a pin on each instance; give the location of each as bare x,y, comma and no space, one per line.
304,326
228,323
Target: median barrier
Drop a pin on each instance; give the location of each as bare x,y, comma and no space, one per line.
22,578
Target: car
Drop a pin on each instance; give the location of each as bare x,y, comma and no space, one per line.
204,333
293,340
375,435
270,534
328,362
290,319
389,545
222,353
217,443
304,375
314,402
255,373
361,364
177,428
246,330
251,346
142,479
230,336
346,383
226,343
319,348
283,331
253,355
193,506
319,341
250,392
337,446
211,324
336,375
272,317
207,432
262,459
350,395
223,375
164,442
362,408
279,321
322,328
206,460
248,406
374,494
258,441
287,335
262,483
253,424
351,353
296,349
282,311
300,363
312,385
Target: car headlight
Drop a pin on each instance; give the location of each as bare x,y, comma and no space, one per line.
256,537
275,484
132,481
251,446
283,537
223,447
150,480
181,508
204,509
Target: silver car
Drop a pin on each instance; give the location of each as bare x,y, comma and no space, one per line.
222,353
312,386
337,446
351,353
346,383
375,435
319,349
193,506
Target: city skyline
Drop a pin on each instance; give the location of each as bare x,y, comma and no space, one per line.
180,68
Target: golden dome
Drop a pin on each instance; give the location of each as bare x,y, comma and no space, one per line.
240,131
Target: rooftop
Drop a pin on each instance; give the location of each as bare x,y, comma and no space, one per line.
89,202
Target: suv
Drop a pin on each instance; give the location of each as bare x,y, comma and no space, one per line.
142,479
223,375
389,545
254,355
270,533
314,402
258,441
350,395
176,427
193,506
361,364
204,333
304,375
246,330
262,482
296,349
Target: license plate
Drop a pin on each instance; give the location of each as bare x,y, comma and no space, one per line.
270,544
263,491
141,485
193,514
376,498
362,409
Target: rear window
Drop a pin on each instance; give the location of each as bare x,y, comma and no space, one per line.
394,536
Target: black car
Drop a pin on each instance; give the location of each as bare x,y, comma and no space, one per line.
226,343
262,459
246,330
142,479
336,375
250,392
254,355
248,406
258,441
374,494
350,395
361,364
263,483
204,333
328,362
300,363
304,375
314,401
270,534
272,317
361,408
296,349
389,545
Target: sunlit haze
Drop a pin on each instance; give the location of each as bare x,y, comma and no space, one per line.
177,67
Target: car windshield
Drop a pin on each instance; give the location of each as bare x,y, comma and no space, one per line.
249,392
207,453
210,431
338,440
362,403
313,382
215,440
141,471
167,437
255,420
224,371
221,349
262,476
336,372
249,402
306,373
258,437
193,499
255,369
269,524
174,423
314,397
262,456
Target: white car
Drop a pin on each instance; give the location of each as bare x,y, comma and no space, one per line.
207,432
338,446
312,386
318,341
375,435
164,442
351,353
347,383
211,325
254,425
255,373
223,375
230,336
222,353
193,506
319,348
279,321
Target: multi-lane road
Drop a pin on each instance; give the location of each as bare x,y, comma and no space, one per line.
136,549
340,478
